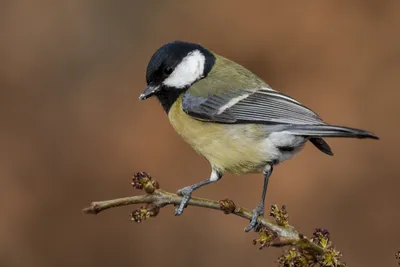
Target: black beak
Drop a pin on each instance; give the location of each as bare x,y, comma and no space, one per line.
149,91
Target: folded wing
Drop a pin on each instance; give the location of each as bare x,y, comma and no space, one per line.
249,106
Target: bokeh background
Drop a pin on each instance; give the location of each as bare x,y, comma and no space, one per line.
72,129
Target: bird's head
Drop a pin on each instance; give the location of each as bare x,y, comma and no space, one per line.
175,67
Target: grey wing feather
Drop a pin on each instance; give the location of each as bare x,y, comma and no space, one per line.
258,106
269,107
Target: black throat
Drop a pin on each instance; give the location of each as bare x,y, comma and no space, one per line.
168,97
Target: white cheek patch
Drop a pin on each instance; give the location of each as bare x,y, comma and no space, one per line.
188,71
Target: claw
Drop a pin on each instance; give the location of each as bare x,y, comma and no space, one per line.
186,194
258,211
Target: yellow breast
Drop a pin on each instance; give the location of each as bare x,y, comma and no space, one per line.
228,147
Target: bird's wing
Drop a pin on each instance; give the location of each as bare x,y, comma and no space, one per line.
263,105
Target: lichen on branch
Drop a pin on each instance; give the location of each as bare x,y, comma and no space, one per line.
302,252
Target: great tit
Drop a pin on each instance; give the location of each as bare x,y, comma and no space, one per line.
232,117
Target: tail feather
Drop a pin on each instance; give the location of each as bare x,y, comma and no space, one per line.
322,145
330,131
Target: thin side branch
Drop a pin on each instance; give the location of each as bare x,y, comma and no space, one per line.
161,198
272,232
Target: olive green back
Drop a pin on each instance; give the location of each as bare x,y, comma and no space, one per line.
226,76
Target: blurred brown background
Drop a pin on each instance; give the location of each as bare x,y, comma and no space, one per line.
73,129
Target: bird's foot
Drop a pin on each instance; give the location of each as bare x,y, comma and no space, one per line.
258,211
186,194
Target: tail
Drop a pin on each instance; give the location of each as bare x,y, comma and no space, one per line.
329,131
315,132
321,145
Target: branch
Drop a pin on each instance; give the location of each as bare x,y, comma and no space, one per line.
304,251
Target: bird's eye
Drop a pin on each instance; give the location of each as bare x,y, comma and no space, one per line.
167,70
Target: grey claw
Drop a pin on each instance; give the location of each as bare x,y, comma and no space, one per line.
186,195
258,211
186,191
253,222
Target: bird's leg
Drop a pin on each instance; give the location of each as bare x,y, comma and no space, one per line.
259,210
186,192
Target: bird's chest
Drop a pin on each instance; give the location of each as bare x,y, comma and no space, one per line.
228,147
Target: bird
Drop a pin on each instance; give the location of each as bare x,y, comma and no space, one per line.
232,117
